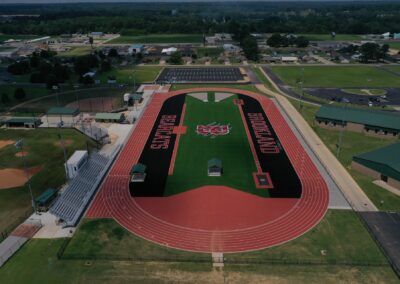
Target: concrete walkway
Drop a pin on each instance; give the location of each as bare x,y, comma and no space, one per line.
351,190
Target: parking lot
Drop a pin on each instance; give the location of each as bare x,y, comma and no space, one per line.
332,94
199,75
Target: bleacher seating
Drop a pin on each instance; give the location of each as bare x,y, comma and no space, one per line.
73,201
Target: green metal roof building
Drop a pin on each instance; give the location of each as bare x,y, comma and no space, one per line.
109,117
68,111
371,119
385,160
27,122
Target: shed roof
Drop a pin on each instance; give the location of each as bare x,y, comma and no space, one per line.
108,116
383,119
63,111
138,168
46,196
385,160
23,120
214,163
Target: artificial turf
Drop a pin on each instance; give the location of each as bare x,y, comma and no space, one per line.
194,150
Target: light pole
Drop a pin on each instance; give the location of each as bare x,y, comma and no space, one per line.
60,125
55,88
339,147
20,145
301,89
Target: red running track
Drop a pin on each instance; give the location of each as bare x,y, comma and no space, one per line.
213,219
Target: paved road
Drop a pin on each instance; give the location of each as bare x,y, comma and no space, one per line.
351,190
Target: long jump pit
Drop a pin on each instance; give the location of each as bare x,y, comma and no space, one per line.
269,191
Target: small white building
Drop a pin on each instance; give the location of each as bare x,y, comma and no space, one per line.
169,51
135,48
231,47
75,163
386,35
289,59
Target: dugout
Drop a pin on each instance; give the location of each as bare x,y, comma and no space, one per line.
24,122
67,115
214,168
109,117
44,200
138,173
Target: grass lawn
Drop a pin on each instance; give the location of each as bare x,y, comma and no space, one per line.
337,76
340,234
263,79
105,238
31,93
395,68
142,74
77,51
4,37
354,143
159,38
232,149
323,37
211,52
42,151
36,263
395,45
366,92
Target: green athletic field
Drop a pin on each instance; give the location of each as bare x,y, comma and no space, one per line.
337,76
195,150
43,150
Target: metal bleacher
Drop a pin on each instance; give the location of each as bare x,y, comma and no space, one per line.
74,199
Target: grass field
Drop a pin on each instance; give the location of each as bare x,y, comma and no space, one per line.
340,234
42,151
395,68
77,51
159,38
4,37
354,143
105,238
211,52
233,150
31,93
395,45
337,76
36,263
324,37
142,74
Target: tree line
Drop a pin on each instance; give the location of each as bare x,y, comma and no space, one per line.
208,18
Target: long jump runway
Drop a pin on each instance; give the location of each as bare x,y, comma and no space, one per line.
213,218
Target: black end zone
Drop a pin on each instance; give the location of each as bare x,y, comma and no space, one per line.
271,155
157,153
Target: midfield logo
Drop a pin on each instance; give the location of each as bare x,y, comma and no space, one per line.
213,129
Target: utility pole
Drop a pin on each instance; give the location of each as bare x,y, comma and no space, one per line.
55,88
20,145
339,147
60,125
301,90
